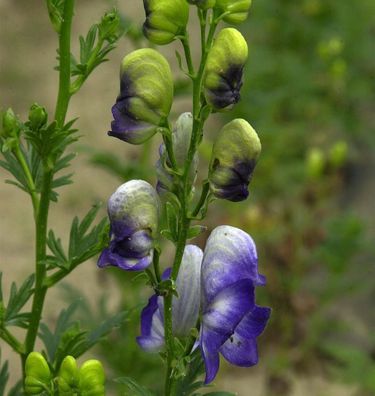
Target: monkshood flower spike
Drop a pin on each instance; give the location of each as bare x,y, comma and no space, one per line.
224,69
146,94
165,19
231,321
185,307
235,10
234,156
133,210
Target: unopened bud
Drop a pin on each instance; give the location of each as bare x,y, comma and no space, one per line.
234,156
68,376
338,154
11,124
165,19
315,163
91,379
224,69
38,375
236,10
37,117
146,94
133,211
109,26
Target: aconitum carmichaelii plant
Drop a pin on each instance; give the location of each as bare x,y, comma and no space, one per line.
203,304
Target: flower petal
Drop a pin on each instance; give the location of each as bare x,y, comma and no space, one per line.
210,342
152,328
229,307
110,257
240,351
185,307
241,348
230,255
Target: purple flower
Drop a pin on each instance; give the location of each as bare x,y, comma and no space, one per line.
133,210
185,307
231,321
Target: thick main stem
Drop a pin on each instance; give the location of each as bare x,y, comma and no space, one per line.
42,215
64,76
184,221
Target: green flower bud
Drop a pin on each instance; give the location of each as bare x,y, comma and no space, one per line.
165,19
91,379
315,163
237,10
68,378
11,124
38,375
338,154
145,98
37,117
224,68
234,156
204,4
109,26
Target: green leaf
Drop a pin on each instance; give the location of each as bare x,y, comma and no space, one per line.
85,243
4,376
220,393
195,230
188,384
16,390
50,339
105,327
17,299
133,386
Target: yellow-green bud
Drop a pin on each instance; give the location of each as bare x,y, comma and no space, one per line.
37,116
224,69
338,154
38,375
91,379
109,26
204,4
146,95
236,10
165,19
11,124
315,163
68,378
234,156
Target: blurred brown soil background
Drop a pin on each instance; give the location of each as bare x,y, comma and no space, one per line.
27,58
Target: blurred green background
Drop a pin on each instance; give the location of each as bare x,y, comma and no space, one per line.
309,91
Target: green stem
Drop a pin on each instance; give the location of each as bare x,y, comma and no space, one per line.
189,61
29,179
42,217
90,66
156,264
12,341
184,221
40,270
202,199
64,77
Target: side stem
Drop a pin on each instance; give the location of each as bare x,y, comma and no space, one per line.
42,216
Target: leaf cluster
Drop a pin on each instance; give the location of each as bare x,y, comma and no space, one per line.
94,47
68,338
85,241
10,314
37,151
